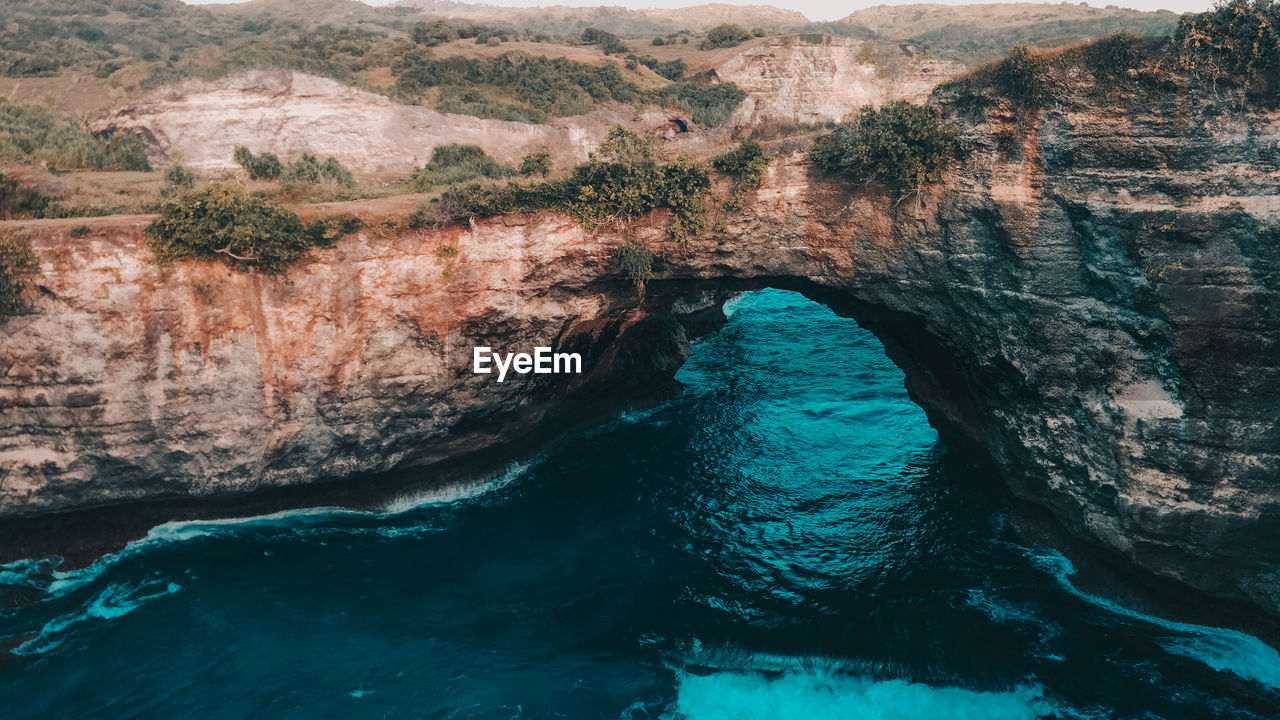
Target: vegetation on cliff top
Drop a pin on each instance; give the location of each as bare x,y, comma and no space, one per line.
1236,38
307,170
452,164
16,263
512,86
1237,43
227,224
620,181
900,146
726,35
977,33
31,133
528,88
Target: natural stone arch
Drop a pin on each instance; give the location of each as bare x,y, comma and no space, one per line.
1028,315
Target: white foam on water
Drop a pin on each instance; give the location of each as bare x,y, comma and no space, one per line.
42,573
459,492
815,693
731,305
1221,649
113,602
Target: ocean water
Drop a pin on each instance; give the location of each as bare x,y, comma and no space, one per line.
785,539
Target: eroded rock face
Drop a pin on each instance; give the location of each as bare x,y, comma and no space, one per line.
1095,304
200,124
793,82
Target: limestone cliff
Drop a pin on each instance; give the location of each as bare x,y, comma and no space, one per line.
200,124
791,80
1092,298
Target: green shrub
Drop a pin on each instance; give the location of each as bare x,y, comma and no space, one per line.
177,178
900,146
225,223
745,164
1021,77
389,227
635,260
1236,37
536,163
452,164
307,170
722,36
16,262
708,105
658,41
80,231
671,69
327,231
260,167
512,86
434,33
608,42
619,182
30,133
1112,57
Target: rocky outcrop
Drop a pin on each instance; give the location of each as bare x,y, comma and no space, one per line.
793,80
1092,299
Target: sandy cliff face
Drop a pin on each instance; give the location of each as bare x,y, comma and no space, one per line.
1094,304
200,124
791,81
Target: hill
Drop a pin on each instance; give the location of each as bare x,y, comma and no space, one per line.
975,33
560,20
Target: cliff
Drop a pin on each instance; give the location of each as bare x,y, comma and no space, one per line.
200,124
791,80
1094,303
788,82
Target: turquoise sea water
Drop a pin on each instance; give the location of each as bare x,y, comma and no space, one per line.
786,539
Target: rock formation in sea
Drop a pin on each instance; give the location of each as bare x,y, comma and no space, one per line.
1092,298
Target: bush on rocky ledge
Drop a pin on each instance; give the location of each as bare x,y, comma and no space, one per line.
452,164
900,146
745,164
1236,38
225,223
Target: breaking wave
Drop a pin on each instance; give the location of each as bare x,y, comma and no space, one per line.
823,693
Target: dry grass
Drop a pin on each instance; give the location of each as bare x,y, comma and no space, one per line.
697,60
469,49
73,92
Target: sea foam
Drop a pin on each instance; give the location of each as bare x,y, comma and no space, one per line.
1221,649
815,693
